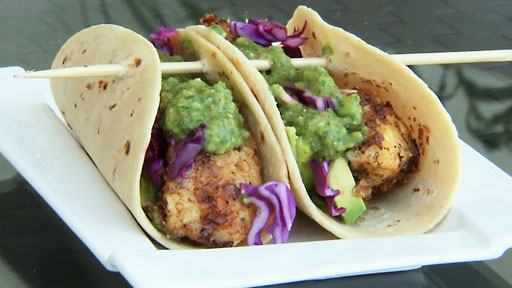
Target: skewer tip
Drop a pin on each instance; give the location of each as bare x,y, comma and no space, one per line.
24,75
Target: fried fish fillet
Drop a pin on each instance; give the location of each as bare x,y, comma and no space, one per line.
389,153
206,206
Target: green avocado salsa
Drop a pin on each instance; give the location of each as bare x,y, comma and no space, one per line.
319,135
325,134
189,102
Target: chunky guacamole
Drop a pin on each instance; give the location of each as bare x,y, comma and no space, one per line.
189,102
322,135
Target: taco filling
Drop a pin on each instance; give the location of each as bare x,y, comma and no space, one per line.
205,205
200,162
348,145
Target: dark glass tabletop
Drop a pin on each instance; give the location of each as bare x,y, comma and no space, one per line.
38,250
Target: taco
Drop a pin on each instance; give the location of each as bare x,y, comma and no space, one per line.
369,147
192,157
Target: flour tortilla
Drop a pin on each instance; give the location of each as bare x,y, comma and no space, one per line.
424,200
112,116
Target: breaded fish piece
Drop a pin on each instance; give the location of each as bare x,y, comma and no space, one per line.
383,160
206,205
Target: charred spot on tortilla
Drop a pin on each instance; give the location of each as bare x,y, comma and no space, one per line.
131,113
83,51
313,34
222,74
395,222
127,145
421,141
111,107
102,85
90,85
66,58
74,105
262,138
137,62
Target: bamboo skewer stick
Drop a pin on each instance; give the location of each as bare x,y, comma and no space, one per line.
79,71
455,57
197,66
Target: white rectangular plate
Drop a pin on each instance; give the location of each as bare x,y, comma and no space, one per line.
39,145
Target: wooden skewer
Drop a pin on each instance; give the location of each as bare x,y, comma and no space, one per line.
197,66
79,71
455,57
167,68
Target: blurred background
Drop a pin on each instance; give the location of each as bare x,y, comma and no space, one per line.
38,250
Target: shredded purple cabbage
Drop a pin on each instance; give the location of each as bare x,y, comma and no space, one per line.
292,52
320,172
266,32
162,39
183,158
155,154
292,48
270,196
305,97
154,169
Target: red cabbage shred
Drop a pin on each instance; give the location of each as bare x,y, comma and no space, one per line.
183,158
267,32
162,39
320,172
305,97
271,196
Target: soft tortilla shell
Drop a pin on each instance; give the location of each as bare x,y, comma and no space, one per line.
426,198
